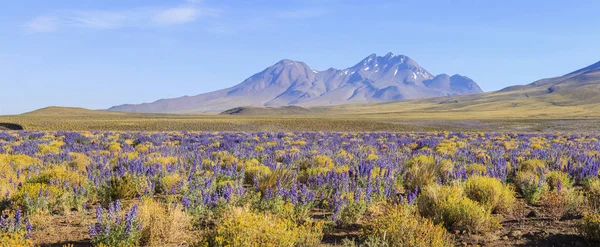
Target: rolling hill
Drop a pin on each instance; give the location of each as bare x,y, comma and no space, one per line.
374,79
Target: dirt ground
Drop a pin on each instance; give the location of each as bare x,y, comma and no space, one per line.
526,226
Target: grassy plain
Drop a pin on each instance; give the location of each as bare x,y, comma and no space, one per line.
481,113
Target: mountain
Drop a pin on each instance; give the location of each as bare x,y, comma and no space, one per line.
575,95
374,79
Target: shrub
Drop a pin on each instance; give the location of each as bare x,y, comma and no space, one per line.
283,177
590,227
255,171
557,180
490,192
592,189
118,188
401,226
163,224
43,198
16,231
448,205
534,165
531,185
116,228
477,169
352,213
242,227
421,171
563,203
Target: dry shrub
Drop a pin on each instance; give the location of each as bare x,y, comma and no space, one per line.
285,177
163,224
401,226
449,205
563,203
491,193
590,227
421,171
592,190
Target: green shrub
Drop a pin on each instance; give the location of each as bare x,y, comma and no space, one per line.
401,226
590,227
116,228
531,185
352,213
448,205
490,192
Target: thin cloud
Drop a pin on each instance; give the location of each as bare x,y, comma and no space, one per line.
301,13
177,15
42,24
129,18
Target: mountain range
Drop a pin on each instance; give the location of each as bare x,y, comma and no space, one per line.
374,79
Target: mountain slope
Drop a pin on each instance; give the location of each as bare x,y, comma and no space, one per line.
374,79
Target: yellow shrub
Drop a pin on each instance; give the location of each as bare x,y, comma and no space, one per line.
400,226
255,170
52,147
532,165
164,224
242,227
299,143
322,161
14,240
477,169
114,147
553,177
490,192
60,172
19,161
448,205
372,157
143,148
421,171
80,161
170,180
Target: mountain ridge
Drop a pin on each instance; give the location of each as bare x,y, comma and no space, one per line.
288,82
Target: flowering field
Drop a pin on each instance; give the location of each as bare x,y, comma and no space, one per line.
297,189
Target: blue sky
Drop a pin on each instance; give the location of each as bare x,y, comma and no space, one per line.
97,54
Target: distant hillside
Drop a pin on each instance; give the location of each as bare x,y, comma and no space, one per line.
374,79
68,111
289,110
